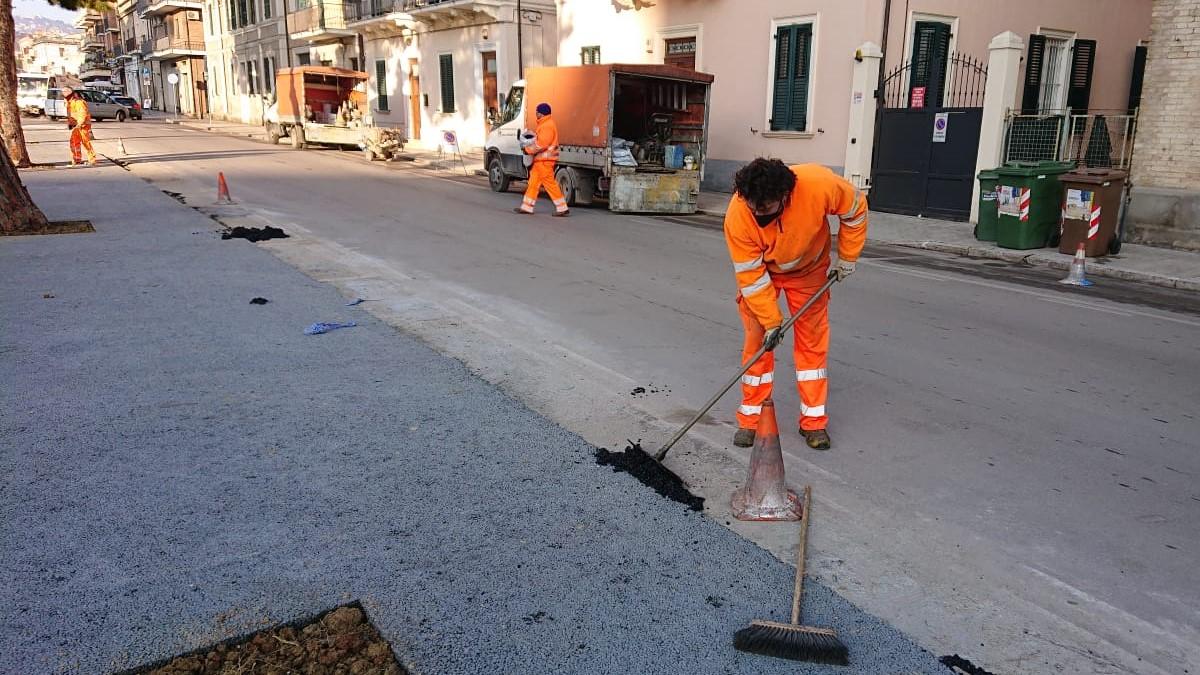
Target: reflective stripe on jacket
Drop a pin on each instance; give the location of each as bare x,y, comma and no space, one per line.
77,110
798,242
545,147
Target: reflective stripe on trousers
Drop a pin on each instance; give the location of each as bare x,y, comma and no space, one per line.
810,347
541,175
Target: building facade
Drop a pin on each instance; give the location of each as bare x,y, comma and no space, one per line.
175,54
792,102
246,41
444,66
135,71
99,41
49,53
1165,205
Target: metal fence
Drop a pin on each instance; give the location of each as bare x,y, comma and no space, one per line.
1095,139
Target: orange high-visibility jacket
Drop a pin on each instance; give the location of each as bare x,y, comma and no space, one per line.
545,148
798,242
77,110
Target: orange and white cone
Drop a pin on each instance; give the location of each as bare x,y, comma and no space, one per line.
765,496
223,189
1078,274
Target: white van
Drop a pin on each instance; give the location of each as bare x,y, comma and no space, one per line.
100,105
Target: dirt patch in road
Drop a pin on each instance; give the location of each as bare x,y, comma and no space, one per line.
651,473
56,227
339,642
254,233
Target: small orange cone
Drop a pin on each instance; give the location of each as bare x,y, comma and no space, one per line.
765,497
223,189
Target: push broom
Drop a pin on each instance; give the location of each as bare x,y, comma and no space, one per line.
791,640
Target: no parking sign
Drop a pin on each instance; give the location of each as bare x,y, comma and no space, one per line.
940,122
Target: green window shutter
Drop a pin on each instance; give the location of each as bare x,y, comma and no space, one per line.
802,61
931,51
381,85
1033,73
793,61
782,91
1079,87
266,9
446,73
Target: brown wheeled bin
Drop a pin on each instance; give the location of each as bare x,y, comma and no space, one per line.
1091,207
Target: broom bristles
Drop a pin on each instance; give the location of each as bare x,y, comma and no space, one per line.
788,641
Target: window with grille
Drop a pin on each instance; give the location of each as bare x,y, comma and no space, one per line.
1058,74
589,55
1054,79
446,76
792,78
381,97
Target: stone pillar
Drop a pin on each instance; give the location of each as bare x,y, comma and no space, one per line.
860,139
1003,79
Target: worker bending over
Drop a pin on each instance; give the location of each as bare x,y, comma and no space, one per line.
79,121
779,240
543,148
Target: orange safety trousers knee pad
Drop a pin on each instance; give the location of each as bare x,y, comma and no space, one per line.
810,338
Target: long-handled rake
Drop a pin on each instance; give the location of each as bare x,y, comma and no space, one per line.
791,640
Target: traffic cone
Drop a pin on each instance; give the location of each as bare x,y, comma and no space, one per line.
764,496
1078,276
223,189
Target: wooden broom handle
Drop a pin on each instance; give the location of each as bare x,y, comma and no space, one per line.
799,590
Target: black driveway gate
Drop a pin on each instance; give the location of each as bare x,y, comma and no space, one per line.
927,137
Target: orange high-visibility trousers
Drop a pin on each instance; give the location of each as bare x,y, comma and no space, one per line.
541,175
811,345
81,138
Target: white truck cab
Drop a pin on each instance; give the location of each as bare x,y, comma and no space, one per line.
505,160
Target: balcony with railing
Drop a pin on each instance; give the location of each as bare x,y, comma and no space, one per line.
91,41
433,11
164,7
166,45
320,21
94,68
378,17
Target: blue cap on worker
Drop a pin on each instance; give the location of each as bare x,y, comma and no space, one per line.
543,109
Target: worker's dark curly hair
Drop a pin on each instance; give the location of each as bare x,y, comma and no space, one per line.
764,180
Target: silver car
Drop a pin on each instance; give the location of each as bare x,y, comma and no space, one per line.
100,105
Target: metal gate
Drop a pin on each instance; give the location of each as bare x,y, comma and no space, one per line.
928,138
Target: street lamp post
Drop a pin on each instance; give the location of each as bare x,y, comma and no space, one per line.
520,46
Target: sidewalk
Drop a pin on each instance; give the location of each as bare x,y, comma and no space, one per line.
1147,264
183,467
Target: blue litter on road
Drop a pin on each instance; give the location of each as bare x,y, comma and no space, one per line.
321,327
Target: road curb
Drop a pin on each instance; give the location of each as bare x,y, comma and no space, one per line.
1097,269
1094,268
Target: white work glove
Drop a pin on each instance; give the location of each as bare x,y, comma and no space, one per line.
843,269
772,338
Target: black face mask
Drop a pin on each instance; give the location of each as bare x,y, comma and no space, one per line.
767,219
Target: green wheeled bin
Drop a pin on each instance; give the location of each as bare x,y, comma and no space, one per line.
1028,203
985,228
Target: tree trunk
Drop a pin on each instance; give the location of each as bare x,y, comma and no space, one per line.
18,213
10,114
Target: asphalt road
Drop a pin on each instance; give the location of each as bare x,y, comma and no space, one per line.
1015,469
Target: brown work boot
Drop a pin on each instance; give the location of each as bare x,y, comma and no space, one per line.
817,439
562,214
743,438
522,211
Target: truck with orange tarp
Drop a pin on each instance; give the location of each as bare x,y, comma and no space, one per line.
634,134
320,105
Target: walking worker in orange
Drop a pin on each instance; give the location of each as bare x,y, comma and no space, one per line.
779,240
79,121
544,151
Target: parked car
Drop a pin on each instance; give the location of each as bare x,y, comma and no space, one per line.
100,105
135,108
